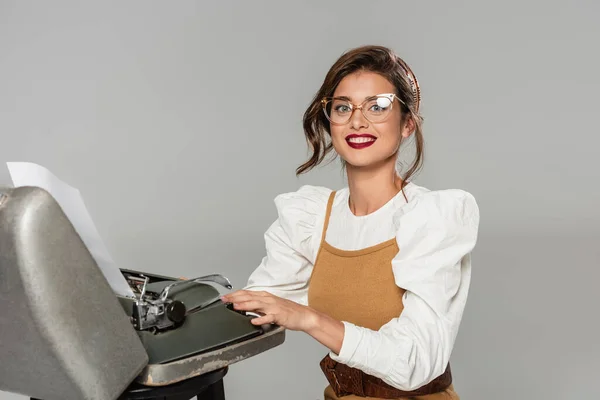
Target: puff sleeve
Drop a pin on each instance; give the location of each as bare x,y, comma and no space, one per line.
291,244
436,233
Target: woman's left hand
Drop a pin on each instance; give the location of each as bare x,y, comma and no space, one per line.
273,309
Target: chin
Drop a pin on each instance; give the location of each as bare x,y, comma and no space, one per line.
366,161
362,162
358,164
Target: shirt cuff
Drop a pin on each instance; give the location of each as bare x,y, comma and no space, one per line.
352,338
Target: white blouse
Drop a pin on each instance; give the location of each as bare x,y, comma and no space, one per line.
436,232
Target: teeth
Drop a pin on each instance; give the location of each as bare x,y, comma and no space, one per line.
361,139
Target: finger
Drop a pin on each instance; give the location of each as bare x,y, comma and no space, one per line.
243,292
230,297
241,298
250,305
266,319
258,293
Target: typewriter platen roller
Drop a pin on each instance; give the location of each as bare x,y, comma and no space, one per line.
66,335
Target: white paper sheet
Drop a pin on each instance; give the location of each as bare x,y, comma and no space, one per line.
70,200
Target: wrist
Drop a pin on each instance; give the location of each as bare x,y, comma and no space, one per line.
312,320
325,329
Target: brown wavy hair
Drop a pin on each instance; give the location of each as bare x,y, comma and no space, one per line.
378,59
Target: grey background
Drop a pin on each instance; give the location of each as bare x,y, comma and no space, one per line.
181,121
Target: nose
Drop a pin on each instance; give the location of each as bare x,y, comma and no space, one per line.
358,120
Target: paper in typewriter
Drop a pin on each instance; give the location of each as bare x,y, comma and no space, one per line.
70,200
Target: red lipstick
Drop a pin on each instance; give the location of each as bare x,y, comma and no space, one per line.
360,141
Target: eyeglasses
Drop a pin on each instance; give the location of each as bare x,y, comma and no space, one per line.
375,109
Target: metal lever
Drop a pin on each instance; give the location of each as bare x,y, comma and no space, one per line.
141,300
216,278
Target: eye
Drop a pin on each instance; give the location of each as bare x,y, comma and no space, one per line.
383,102
379,105
342,108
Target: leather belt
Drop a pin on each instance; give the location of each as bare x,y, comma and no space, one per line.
346,380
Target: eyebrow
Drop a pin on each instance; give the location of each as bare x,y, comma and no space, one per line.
350,100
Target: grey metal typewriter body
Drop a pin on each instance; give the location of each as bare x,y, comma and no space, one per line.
66,335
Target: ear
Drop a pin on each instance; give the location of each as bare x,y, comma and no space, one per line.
409,127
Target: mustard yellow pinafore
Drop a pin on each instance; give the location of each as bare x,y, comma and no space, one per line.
358,286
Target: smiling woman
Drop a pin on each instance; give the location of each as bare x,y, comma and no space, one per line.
377,271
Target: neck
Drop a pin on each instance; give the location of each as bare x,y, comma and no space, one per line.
371,188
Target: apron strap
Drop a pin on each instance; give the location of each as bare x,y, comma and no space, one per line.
327,214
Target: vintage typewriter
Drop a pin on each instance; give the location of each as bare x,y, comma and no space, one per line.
65,334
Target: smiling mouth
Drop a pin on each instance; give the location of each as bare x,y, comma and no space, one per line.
360,141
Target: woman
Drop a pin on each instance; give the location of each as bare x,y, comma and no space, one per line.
378,272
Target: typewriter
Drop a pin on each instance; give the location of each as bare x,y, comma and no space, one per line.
65,334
